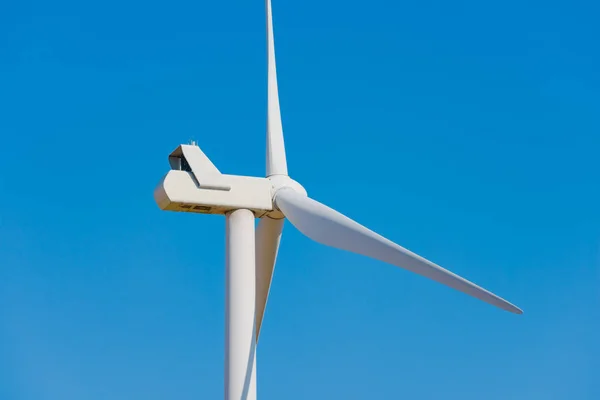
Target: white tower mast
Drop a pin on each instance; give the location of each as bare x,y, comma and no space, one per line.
240,322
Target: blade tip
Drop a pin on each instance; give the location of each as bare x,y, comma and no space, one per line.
514,309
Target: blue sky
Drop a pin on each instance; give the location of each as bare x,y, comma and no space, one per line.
475,125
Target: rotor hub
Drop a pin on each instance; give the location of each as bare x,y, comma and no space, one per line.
279,182
283,181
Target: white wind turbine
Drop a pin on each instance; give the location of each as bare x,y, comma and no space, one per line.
194,184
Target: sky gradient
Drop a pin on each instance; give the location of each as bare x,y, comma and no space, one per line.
466,131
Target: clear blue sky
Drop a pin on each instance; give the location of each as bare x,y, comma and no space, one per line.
476,123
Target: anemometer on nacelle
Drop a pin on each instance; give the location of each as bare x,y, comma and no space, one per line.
194,184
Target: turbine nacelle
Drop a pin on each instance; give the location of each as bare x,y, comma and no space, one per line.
194,184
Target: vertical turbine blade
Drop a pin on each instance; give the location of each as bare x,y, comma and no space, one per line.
276,163
268,235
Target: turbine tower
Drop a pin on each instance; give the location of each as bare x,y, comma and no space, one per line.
194,184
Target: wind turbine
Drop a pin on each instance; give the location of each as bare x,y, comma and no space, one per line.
194,184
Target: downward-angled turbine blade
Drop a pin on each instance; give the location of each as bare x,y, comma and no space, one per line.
329,227
268,235
276,163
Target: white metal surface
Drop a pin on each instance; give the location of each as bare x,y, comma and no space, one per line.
240,323
178,192
194,184
276,161
268,236
205,172
327,226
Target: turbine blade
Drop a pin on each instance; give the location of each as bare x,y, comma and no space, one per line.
268,235
327,226
276,162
